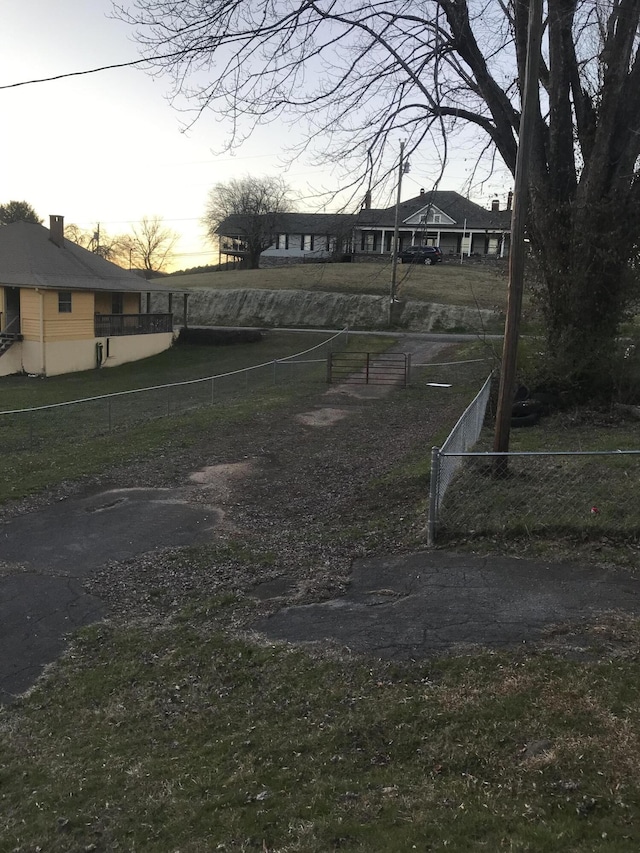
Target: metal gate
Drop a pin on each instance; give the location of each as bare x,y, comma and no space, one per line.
365,368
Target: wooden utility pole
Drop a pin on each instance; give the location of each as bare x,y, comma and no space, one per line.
396,233
518,216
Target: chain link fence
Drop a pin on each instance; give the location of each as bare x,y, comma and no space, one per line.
588,493
446,460
32,428
476,493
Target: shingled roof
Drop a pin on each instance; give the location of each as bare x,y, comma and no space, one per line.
453,204
30,258
238,224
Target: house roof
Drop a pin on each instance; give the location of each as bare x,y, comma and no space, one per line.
451,203
290,223
30,258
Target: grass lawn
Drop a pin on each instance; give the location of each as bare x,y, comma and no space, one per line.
477,285
186,734
182,737
178,364
566,506
137,426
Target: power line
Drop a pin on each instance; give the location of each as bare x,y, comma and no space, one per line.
93,70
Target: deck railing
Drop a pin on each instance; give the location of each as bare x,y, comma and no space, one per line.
113,325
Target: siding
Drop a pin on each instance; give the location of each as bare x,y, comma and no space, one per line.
76,326
30,314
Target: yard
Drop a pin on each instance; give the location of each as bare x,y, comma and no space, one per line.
475,284
172,726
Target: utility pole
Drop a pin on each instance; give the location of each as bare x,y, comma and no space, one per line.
516,255
403,168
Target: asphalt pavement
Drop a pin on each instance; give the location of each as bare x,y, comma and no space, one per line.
46,554
397,606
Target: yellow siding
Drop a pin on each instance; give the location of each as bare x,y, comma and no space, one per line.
30,314
103,303
131,303
76,326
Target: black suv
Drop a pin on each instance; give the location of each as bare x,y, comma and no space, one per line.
420,255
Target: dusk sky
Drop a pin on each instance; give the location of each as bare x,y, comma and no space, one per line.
108,148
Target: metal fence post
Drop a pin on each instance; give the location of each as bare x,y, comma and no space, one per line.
433,496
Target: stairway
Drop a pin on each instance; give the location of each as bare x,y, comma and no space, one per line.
7,340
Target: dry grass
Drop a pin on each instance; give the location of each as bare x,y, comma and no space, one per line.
481,285
180,737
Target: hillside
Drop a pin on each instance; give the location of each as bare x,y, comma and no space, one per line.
470,284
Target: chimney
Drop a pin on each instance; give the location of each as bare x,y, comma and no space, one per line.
509,200
56,230
421,190
367,201
495,205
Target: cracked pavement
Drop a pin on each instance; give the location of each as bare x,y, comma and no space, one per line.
415,605
47,554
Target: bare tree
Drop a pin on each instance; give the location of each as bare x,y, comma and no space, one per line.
18,211
98,241
361,74
247,208
149,246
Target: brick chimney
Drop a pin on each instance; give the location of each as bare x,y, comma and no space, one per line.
56,230
495,205
509,200
367,201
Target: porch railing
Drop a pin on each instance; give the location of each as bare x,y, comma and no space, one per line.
112,325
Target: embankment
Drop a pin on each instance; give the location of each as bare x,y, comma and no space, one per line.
329,310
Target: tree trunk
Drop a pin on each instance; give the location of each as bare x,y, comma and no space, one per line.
584,270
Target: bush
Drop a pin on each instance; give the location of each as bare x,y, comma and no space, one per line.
219,337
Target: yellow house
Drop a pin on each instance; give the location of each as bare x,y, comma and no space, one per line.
64,309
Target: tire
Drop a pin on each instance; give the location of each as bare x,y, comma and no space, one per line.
525,420
522,393
526,407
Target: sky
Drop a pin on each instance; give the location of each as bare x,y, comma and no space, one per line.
108,148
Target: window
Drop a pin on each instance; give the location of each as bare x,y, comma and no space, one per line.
307,242
437,217
64,302
282,241
423,219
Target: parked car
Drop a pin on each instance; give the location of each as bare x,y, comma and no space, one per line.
420,255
